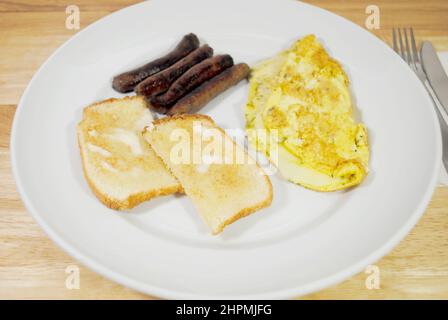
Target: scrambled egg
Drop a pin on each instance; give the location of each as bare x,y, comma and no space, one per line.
299,113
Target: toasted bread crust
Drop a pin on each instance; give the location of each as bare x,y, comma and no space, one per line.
183,117
247,211
133,199
242,213
111,100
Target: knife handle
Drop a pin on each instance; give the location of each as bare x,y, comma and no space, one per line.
443,123
435,73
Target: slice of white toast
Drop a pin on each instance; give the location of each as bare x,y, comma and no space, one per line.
120,167
223,185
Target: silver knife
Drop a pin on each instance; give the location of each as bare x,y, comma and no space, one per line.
435,73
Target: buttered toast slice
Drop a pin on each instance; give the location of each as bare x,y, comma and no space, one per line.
120,167
222,181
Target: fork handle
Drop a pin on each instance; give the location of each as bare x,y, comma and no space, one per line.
442,122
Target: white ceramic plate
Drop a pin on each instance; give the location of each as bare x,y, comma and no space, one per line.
306,240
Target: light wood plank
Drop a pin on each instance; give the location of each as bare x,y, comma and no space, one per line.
428,18
32,266
60,5
28,38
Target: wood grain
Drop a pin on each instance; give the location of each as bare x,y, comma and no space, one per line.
60,5
32,266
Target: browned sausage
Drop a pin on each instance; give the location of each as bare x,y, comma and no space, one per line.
126,82
158,109
200,96
193,78
161,81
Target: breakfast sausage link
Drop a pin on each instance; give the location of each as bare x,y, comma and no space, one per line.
200,96
156,108
126,81
193,78
161,81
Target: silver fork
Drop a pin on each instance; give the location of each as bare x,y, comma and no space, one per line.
411,55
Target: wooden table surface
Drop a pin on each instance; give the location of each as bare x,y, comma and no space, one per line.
32,266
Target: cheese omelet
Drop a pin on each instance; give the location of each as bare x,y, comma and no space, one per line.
300,106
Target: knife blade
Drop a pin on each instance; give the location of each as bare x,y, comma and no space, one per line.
435,73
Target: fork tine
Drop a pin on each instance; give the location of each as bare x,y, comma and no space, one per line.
400,39
414,47
408,50
394,37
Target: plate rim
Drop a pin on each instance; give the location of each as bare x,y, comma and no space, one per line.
160,292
